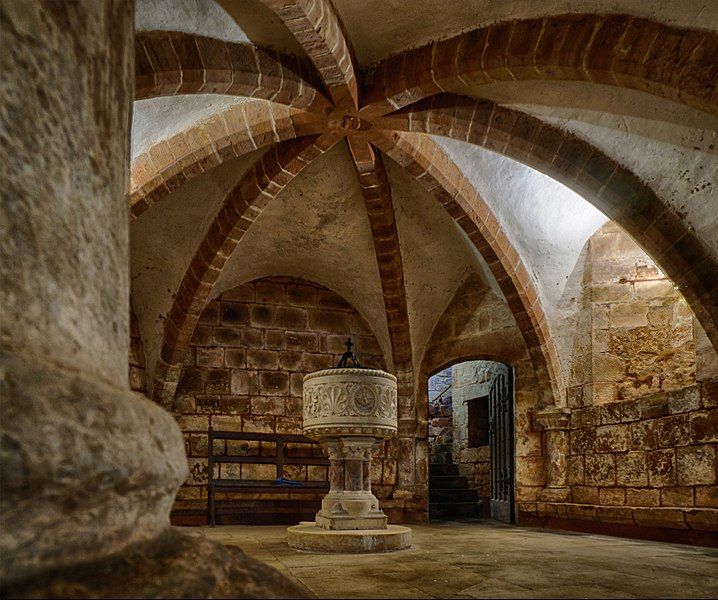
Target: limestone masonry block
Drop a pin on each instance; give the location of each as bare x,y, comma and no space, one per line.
696,465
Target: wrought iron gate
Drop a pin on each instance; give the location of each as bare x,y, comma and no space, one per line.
501,444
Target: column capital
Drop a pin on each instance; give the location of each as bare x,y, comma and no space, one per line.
553,418
356,448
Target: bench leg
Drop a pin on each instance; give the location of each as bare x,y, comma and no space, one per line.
211,507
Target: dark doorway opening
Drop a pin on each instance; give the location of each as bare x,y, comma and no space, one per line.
478,422
471,441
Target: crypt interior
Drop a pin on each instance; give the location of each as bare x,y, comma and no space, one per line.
509,207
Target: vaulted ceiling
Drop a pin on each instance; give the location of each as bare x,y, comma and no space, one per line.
389,153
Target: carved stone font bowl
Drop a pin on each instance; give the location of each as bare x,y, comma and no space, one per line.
349,402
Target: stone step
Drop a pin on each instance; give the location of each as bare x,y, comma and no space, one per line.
441,496
440,459
447,482
441,448
446,511
446,469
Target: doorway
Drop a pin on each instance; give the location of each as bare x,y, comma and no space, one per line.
471,442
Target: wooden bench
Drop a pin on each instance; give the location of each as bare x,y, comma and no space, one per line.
279,460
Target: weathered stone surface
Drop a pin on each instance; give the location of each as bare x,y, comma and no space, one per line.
582,440
575,470
631,469
97,479
611,438
660,517
696,465
615,515
600,469
661,468
174,565
612,496
64,281
642,497
707,496
704,426
584,495
677,496
703,519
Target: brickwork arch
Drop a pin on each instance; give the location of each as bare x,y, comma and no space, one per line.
240,129
612,188
619,50
170,62
245,202
442,178
317,27
477,325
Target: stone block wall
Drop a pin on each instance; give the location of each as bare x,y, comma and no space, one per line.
440,409
244,370
635,329
137,373
448,391
478,324
475,466
471,380
646,462
644,400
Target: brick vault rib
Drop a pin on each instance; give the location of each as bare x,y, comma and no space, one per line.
318,29
612,188
262,183
618,50
376,190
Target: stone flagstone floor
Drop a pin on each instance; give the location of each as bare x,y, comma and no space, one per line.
486,559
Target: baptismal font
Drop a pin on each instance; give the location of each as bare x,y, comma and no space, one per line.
349,410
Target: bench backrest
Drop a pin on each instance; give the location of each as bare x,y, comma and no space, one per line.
280,458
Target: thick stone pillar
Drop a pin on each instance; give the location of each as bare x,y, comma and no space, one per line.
88,469
555,422
83,475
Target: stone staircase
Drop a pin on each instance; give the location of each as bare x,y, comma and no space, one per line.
449,494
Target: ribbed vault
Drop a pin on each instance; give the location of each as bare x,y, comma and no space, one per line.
298,108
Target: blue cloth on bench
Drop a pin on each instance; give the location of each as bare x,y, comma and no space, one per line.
287,482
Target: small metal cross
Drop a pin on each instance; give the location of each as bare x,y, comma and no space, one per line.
349,355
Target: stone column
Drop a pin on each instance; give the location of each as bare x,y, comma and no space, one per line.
353,469
357,499
88,469
555,422
330,502
366,471
83,474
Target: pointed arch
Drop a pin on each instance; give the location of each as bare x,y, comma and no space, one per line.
613,189
243,205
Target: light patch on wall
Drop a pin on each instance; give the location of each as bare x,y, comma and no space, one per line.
203,17
156,119
548,223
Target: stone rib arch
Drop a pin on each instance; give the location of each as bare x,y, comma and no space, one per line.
444,350
319,30
170,63
613,189
245,202
620,50
376,190
433,168
240,129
